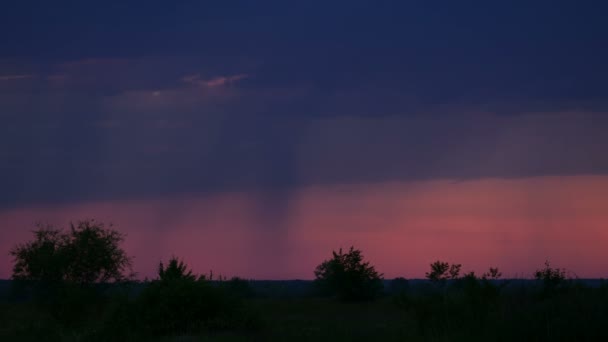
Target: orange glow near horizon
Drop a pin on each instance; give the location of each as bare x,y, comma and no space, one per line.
515,224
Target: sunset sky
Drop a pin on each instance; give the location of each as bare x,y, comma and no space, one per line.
253,137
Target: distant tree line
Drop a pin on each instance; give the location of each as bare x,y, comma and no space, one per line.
68,273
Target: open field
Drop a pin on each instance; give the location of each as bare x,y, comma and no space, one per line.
422,313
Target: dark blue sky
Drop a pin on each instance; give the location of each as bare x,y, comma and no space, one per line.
114,100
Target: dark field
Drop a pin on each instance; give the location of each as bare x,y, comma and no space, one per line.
290,311
281,320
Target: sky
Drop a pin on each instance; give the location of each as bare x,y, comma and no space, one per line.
253,138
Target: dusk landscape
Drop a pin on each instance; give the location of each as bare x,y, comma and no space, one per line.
250,140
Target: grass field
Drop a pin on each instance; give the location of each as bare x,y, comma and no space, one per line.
576,313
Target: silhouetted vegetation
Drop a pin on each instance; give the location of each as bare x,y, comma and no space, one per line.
92,299
87,254
550,278
181,303
442,271
175,270
65,271
489,309
346,276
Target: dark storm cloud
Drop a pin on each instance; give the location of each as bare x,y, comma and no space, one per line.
546,54
119,100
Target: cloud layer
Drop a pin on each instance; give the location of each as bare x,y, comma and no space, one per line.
170,105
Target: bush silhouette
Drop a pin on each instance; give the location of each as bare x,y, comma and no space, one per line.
179,302
346,276
550,277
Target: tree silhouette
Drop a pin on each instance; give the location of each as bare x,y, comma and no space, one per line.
454,271
43,259
346,275
86,254
441,271
176,269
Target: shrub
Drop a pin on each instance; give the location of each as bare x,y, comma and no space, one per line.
178,306
550,277
179,302
175,269
346,276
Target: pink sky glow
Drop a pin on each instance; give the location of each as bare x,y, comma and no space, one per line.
401,227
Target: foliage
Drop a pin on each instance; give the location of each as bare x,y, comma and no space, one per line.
346,276
43,259
463,311
485,308
88,253
442,271
550,277
65,271
175,269
481,291
492,274
179,302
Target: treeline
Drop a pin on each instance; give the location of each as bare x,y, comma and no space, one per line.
80,282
